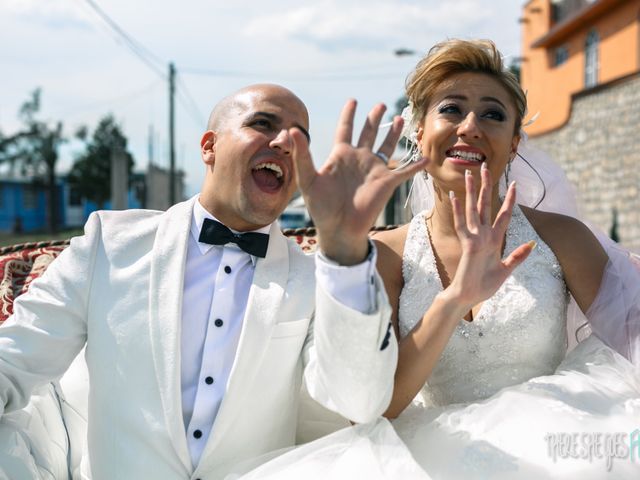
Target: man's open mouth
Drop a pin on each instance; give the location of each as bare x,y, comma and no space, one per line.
268,176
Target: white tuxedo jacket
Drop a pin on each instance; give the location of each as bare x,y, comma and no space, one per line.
119,290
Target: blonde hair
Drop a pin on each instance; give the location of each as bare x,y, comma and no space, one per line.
456,56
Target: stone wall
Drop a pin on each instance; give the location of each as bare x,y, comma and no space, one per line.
599,149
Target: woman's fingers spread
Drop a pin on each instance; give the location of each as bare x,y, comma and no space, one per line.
518,256
504,215
484,199
458,217
473,220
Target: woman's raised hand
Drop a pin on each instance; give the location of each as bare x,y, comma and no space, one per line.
482,269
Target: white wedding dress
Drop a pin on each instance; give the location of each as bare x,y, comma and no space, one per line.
505,400
502,402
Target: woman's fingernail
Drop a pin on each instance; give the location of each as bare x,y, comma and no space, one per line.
452,194
483,166
512,184
533,244
467,172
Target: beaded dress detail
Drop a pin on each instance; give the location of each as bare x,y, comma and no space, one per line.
518,334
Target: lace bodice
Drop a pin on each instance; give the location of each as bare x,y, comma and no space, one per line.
519,333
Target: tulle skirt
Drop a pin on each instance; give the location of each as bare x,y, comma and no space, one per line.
369,451
582,423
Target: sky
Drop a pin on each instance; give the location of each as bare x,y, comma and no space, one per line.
326,51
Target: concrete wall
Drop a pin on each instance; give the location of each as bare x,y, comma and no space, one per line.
157,184
599,148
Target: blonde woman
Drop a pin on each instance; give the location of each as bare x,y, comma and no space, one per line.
472,330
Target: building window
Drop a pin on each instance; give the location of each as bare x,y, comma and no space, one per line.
563,9
591,66
560,56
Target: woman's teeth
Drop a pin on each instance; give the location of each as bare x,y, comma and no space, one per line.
468,156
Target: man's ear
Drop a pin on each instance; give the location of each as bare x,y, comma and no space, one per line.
208,147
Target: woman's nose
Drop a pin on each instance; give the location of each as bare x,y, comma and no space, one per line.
469,126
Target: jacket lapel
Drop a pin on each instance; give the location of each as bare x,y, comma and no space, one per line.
165,314
267,290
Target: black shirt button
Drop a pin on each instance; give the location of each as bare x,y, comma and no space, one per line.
227,269
208,380
197,433
218,322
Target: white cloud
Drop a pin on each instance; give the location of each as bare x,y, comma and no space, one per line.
52,13
332,24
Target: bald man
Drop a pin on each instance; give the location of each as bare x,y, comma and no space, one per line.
199,322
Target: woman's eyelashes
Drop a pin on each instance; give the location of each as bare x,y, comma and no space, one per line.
495,114
454,109
449,108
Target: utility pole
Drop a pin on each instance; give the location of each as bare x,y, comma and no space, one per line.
172,150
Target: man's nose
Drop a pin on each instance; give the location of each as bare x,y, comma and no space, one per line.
282,142
469,126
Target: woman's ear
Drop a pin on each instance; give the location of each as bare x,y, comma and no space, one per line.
208,147
514,146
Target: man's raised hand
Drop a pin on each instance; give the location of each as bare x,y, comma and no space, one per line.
345,196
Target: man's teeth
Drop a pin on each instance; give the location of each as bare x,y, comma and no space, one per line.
470,156
271,166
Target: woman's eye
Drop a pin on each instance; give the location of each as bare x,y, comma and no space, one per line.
495,115
449,108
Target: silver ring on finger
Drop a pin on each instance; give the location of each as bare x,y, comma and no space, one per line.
383,157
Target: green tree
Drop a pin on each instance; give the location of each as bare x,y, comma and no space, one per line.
91,172
34,150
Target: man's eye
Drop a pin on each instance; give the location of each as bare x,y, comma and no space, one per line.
261,122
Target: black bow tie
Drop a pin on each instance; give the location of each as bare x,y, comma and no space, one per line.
215,233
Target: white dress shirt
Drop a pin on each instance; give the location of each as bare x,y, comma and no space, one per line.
216,287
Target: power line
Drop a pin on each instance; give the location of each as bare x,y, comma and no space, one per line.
133,45
292,76
190,104
152,61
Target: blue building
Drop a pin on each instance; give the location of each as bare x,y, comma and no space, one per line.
23,204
